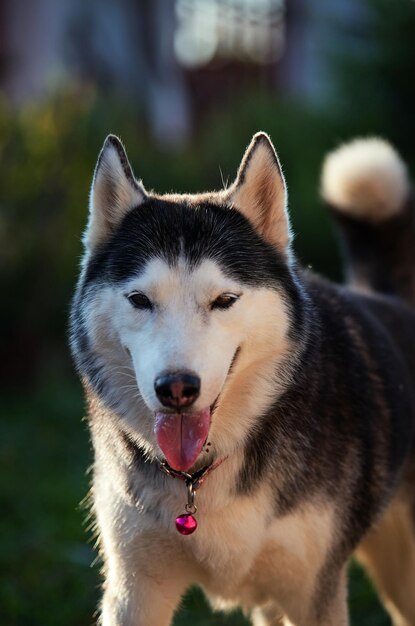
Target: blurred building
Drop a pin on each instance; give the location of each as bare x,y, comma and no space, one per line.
174,57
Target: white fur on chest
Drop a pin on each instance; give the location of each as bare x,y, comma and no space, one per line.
234,531
248,559
240,553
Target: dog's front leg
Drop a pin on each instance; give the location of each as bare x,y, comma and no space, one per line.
145,603
327,605
144,583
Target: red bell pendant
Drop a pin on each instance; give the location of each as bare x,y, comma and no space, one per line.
186,524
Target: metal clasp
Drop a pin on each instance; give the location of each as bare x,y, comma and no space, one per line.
191,496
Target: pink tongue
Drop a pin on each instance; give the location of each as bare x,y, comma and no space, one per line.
181,436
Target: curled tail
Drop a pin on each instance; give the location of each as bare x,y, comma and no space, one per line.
367,187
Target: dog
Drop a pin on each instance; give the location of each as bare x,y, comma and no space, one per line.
252,422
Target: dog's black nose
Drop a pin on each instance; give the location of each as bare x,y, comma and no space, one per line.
177,390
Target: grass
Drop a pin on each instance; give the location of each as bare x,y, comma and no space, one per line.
46,560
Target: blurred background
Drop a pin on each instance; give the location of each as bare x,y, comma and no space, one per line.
185,84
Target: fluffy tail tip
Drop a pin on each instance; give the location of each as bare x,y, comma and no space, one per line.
366,179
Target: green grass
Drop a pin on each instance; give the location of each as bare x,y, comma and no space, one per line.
47,576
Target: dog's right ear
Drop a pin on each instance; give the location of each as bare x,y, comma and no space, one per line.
114,192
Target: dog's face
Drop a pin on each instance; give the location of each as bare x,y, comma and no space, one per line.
180,297
177,319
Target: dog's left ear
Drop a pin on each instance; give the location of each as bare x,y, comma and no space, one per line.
259,192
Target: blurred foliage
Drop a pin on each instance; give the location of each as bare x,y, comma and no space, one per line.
45,561
373,72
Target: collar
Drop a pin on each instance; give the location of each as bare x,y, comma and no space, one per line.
196,479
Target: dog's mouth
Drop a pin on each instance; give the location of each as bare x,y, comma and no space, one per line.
181,436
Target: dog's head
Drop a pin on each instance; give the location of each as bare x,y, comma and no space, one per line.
184,311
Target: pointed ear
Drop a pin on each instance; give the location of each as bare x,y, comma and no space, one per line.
260,194
114,192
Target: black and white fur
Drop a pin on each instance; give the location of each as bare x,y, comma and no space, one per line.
312,386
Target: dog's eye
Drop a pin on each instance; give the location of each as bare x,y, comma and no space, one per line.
224,301
139,300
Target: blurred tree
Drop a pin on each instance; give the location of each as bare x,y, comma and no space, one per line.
374,72
122,47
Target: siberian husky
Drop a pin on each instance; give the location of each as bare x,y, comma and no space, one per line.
252,422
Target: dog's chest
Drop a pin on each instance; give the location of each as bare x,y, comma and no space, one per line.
243,555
